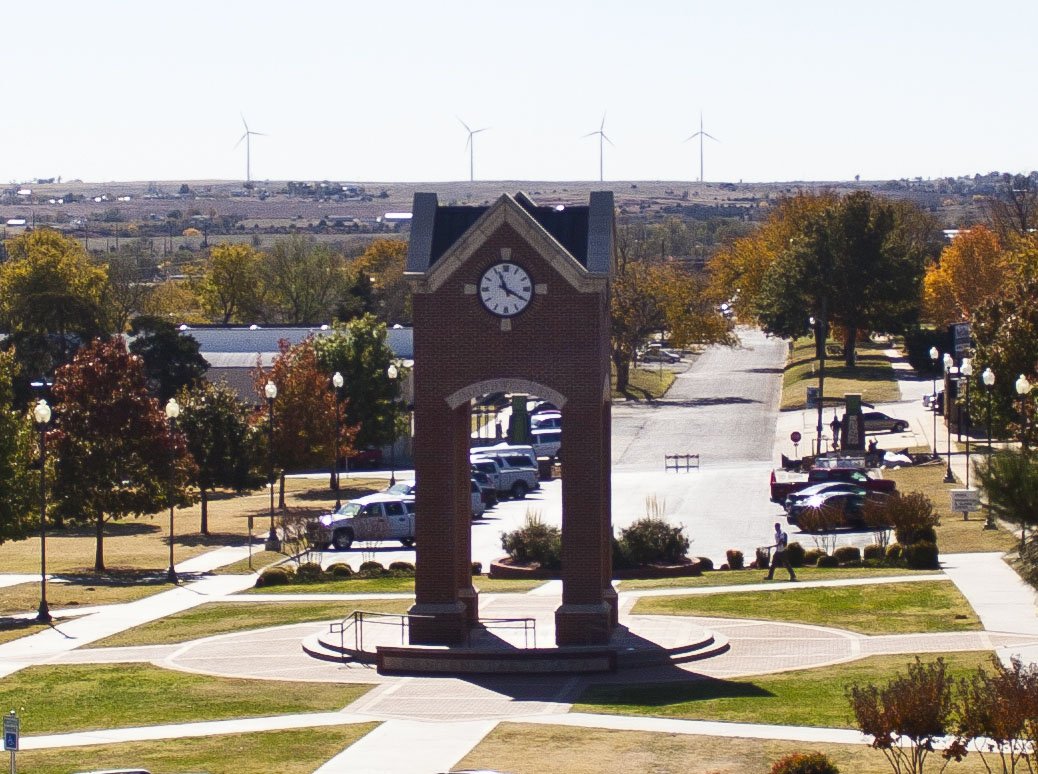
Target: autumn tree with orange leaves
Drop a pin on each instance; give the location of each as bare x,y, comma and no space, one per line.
971,269
304,412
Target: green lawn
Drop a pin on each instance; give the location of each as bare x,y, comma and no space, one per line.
869,609
222,617
744,577
297,751
873,376
78,697
647,383
807,697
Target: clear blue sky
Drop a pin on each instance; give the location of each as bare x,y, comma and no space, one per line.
372,91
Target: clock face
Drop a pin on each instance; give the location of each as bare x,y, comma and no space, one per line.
505,289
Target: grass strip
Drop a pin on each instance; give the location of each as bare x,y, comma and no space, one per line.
873,375
223,617
81,590
745,577
525,748
80,697
803,697
895,608
298,751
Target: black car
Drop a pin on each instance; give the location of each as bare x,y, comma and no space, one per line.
851,504
877,422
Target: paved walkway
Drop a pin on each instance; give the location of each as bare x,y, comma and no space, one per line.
429,724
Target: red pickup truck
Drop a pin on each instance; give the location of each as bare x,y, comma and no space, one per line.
784,483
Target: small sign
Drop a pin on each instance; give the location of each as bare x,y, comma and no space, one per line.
250,524
795,436
11,724
965,500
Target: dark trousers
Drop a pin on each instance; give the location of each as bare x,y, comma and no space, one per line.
780,559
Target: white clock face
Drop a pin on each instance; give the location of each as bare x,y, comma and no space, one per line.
505,289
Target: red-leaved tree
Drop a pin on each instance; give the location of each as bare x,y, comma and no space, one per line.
111,441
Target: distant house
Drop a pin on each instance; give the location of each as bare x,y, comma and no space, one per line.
17,222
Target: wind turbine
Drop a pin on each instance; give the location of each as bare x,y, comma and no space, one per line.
601,136
248,148
472,147
701,134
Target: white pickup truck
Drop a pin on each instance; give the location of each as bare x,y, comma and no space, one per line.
510,480
374,517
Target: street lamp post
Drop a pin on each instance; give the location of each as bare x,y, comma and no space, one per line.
270,391
337,382
935,355
172,412
819,326
41,415
966,369
988,377
392,373
949,477
1023,386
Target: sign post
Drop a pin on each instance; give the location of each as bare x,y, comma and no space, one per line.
11,725
966,501
795,438
250,543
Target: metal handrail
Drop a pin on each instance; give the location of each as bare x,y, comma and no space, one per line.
356,621
502,623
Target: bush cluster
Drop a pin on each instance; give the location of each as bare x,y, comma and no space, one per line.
652,539
281,575
534,542
812,556
735,559
805,763
874,552
796,554
847,554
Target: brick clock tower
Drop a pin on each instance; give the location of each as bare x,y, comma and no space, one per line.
511,298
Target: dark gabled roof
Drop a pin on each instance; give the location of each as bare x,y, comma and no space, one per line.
569,226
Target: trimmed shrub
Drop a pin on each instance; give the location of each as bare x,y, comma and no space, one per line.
845,554
894,553
477,568
404,568
371,569
805,763
911,515
827,561
812,556
873,563
921,556
875,551
652,539
734,558
340,570
535,541
275,576
309,571
705,563
796,554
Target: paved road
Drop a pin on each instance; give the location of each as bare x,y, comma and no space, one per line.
723,406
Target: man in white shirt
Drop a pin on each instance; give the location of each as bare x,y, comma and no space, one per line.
780,556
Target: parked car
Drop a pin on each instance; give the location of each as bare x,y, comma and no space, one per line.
546,441
477,505
381,516
487,488
364,458
654,353
877,421
511,480
545,420
852,504
801,495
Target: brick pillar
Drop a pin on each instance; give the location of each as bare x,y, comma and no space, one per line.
605,482
461,418
439,447
585,616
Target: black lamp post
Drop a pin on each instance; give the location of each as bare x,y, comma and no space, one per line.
271,392
41,415
819,326
949,362
935,355
392,373
966,369
988,377
172,412
1023,386
337,382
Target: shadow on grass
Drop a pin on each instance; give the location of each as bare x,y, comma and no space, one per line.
212,539
118,577
327,494
17,624
664,694
111,529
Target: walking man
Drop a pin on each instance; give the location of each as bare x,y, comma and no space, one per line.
780,556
